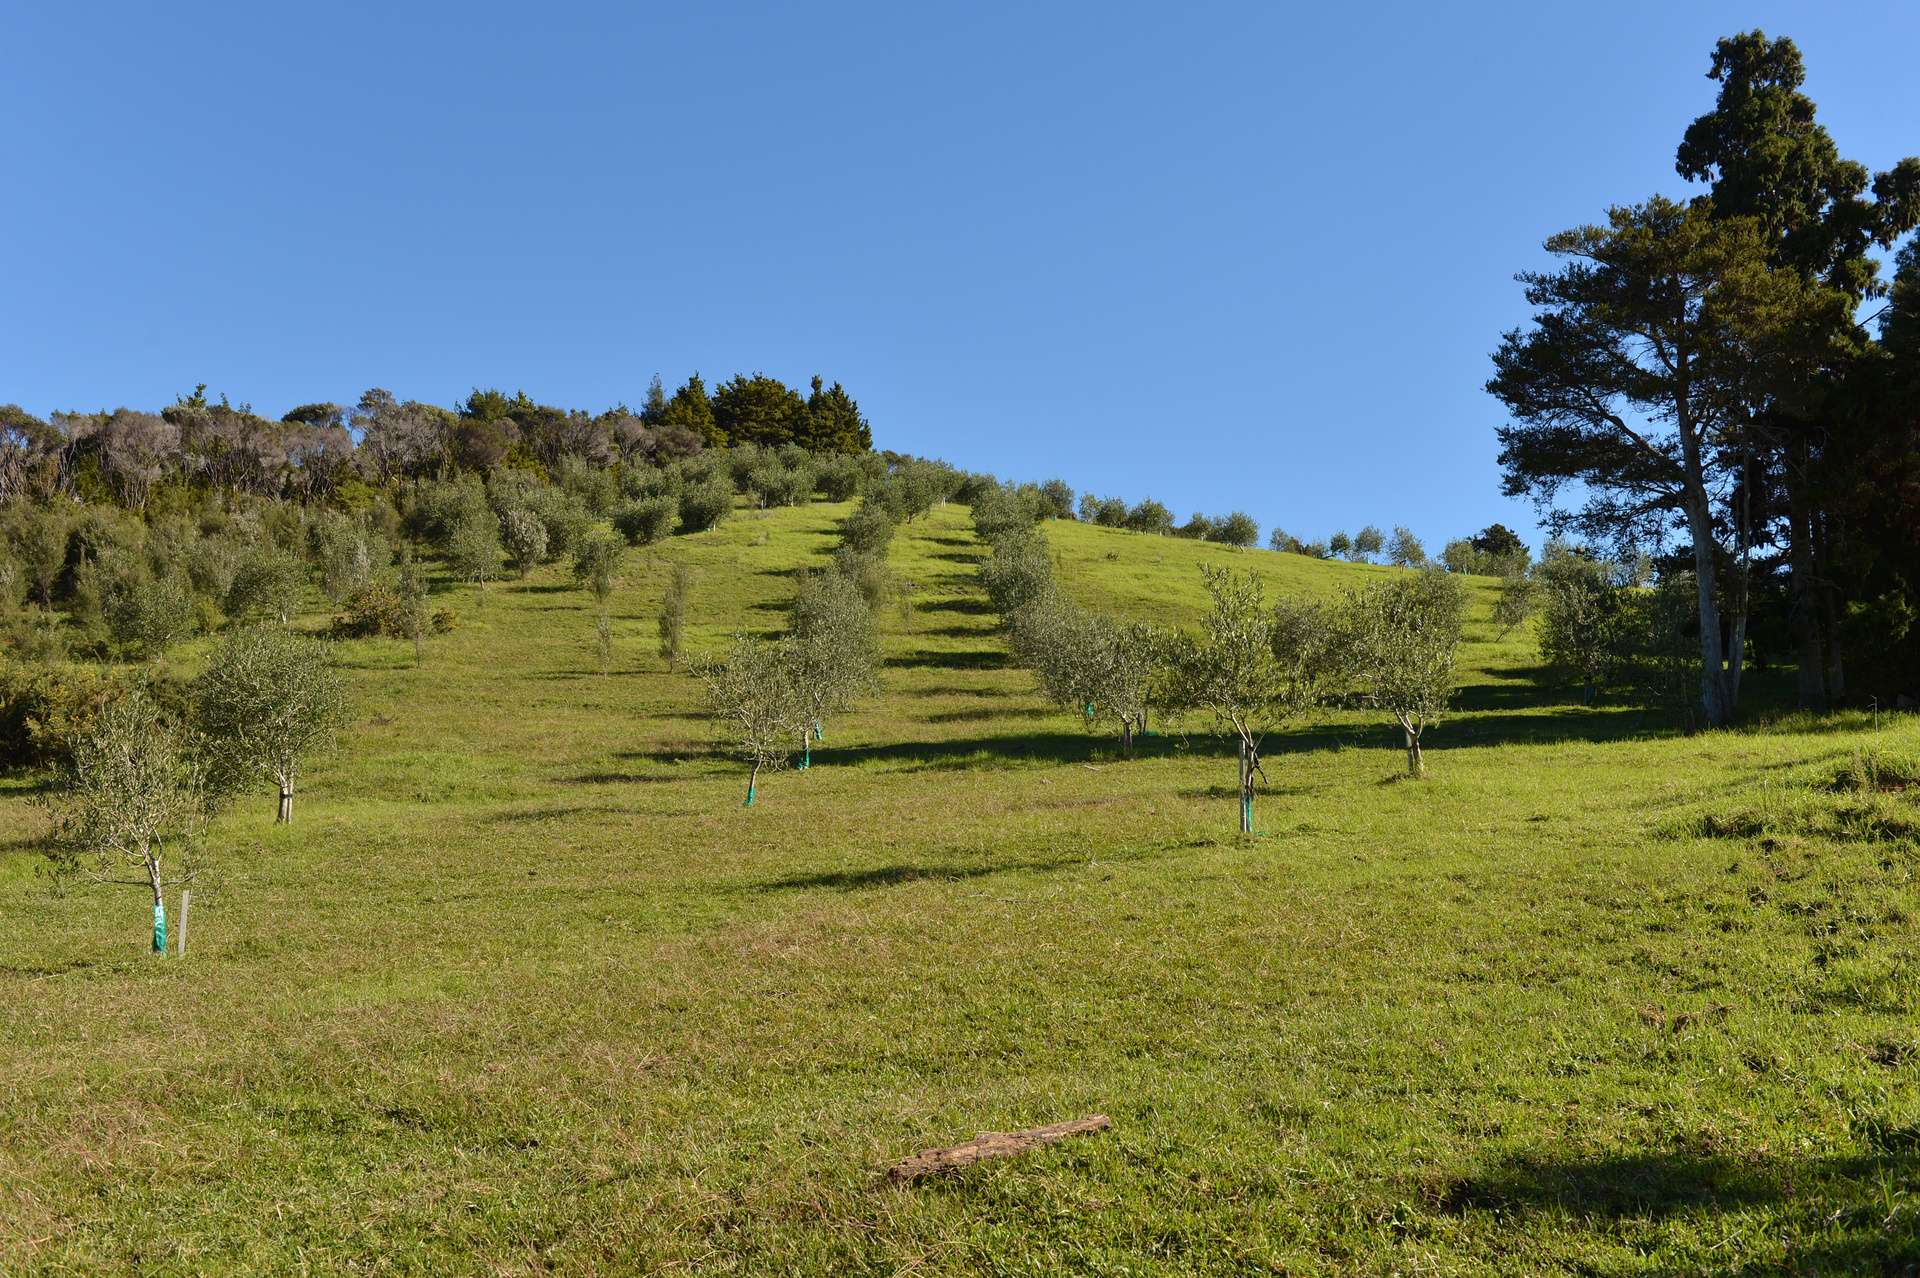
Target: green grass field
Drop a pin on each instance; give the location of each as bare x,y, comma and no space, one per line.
526,989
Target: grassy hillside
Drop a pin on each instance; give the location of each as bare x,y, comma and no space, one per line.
525,989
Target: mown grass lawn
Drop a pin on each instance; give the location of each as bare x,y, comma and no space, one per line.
526,989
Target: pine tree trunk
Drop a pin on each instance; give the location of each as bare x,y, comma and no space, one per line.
1835,673
1802,611
1714,706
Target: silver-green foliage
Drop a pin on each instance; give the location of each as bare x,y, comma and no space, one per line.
1100,670
473,545
130,800
268,699
750,694
596,563
1399,638
267,583
525,538
831,647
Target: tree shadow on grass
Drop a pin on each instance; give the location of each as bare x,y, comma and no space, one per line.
975,714
956,632
971,607
35,971
963,659
963,753
560,811
1840,1200
889,875
710,757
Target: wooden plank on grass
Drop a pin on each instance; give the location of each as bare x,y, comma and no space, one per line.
931,1162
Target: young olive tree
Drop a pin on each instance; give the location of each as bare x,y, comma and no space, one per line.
751,696
1018,570
1400,637
673,614
1251,667
1582,620
1089,664
1404,549
833,651
131,800
267,583
1519,600
410,585
473,546
525,536
596,566
266,701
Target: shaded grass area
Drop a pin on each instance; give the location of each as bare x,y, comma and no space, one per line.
528,990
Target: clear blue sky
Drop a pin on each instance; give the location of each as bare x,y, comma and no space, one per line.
1231,256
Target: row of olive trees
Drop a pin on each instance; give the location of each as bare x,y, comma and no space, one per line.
139,784
1250,667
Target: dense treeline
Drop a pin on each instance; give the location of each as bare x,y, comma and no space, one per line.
1729,384
322,450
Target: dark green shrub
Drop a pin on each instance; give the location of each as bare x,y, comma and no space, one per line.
647,520
704,505
867,531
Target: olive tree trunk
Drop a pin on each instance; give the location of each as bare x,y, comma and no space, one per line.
159,904
1246,787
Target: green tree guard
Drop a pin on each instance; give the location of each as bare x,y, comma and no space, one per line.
159,927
